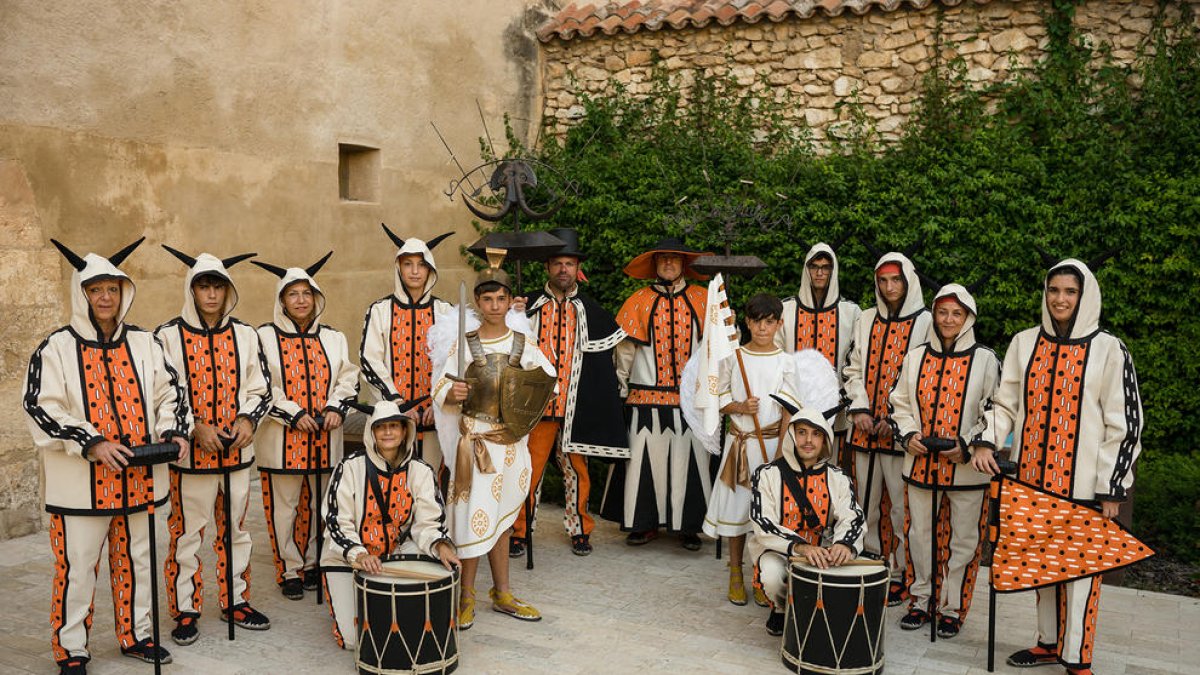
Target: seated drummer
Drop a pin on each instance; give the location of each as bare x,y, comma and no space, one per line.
799,504
358,532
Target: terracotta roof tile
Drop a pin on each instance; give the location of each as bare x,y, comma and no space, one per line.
585,19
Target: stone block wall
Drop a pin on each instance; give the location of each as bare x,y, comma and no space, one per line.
877,58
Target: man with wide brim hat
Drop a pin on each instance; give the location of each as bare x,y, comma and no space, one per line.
666,480
578,336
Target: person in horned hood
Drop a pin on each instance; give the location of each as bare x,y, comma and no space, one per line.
227,379
666,480
313,382
883,334
578,335
382,501
486,447
817,317
941,392
394,354
801,505
1069,396
79,378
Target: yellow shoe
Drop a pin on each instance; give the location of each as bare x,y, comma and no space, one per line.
760,598
466,609
737,587
505,603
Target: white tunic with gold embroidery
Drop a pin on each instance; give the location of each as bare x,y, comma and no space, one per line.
495,499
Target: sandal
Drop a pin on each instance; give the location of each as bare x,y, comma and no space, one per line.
737,586
466,609
1040,655
505,603
948,627
245,616
914,619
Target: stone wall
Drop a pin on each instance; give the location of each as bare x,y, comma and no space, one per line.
216,126
877,58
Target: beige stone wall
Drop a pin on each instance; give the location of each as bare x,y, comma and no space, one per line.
877,59
215,126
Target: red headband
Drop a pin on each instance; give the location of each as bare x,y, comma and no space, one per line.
888,268
947,299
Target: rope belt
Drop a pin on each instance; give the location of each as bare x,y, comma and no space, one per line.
471,445
737,468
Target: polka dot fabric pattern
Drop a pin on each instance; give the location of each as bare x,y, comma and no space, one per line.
819,331
115,407
211,361
1044,539
941,386
888,344
306,380
412,370
378,538
816,496
1050,436
557,326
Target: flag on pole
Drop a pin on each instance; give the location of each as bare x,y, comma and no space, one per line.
720,342
1044,539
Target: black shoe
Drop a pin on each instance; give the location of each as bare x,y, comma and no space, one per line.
516,547
185,631
247,617
914,619
312,579
948,627
775,623
1041,655
292,589
640,538
690,541
580,545
897,594
75,665
145,651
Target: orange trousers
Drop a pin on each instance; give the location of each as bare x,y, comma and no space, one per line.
545,440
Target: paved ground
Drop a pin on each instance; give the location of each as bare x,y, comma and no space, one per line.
654,609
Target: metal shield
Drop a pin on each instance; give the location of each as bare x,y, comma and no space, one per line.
524,395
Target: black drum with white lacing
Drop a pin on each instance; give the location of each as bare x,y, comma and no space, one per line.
835,619
407,617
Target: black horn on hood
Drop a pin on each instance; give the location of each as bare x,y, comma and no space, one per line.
76,262
870,246
362,407
912,249
978,284
312,269
183,257
119,257
437,240
277,271
399,242
1048,260
230,262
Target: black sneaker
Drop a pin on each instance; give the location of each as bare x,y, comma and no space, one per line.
75,665
897,594
312,579
690,541
914,619
247,617
580,545
516,547
948,627
1041,655
185,631
292,589
640,538
145,651
775,623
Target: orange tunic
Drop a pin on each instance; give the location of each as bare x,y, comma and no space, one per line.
306,379
378,537
211,362
889,343
818,330
116,408
557,325
666,323
412,370
941,386
1050,435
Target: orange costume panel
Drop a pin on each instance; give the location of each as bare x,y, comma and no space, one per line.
557,326
412,371
210,362
889,342
116,409
941,385
818,330
306,377
1053,385
668,325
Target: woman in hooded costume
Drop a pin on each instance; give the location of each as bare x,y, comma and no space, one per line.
1069,396
313,383
95,387
943,387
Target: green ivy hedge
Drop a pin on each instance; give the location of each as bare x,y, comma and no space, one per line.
1071,158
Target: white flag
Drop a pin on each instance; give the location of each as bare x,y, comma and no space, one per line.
720,342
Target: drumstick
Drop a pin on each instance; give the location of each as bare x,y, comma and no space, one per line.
857,562
405,574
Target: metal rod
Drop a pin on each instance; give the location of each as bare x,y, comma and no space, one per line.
934,592
228,500
153,570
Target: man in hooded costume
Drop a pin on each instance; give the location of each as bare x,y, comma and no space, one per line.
313,383
883,334
382,501
229,391
1069,396
941,392
801,506
666,480
96,387
578,336
817,317
394,353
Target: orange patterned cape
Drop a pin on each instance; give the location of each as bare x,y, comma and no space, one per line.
1043,539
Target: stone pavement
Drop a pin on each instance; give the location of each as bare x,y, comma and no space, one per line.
621,610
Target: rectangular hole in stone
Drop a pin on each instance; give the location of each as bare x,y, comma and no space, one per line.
358,173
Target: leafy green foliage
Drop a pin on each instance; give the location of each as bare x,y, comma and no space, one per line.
1078,155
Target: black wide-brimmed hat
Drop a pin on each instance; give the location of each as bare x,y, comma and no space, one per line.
571,238
643,267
